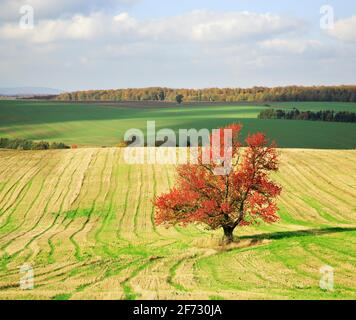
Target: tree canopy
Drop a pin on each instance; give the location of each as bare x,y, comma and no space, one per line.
259,94
245,195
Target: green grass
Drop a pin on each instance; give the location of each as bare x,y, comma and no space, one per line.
302,252
105,125
65,296
73,214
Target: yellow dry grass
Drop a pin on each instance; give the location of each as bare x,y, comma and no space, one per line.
83,219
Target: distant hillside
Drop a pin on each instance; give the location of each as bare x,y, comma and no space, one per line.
255,94
24,91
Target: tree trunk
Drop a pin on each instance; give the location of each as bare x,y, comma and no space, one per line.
228,234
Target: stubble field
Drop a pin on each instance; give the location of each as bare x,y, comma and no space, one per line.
83,219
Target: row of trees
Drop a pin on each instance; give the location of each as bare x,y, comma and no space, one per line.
295,114
260,94
21,144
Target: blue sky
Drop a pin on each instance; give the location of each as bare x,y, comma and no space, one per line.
88,44
302,8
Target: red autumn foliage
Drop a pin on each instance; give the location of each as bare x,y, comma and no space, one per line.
243,196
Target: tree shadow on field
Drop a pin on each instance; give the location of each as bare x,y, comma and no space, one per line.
292,234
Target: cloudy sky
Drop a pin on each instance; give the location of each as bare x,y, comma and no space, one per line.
92,44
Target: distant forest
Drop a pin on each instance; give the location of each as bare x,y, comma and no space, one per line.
21,144
295,114
255,94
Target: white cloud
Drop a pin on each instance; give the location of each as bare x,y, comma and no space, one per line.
45,9
207,26
240,25
344,30
294,46
197,26
77,27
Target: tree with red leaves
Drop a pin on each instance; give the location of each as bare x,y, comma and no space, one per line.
242,196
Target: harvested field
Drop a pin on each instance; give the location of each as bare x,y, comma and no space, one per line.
83,219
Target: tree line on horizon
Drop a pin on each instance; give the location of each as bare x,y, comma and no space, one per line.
23,144
255,94
295,114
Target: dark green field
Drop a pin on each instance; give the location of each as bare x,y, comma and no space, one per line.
89,124
316,106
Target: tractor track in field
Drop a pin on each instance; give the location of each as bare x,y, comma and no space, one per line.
111,211
30,164
30,206
312,174
172,273
50,256
13,187
115,186
44,212
128,290
106,274
72,237
5,169
138,205
37,236
124,211
313,177
153,224
303,185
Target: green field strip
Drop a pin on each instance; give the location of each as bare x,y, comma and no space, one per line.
113,269
10,175
119,182
113,221
172,273
3,227
332,262
295,263
338,218
56,217
71,215
24,233
216,282
138,204
47,204
143,214
34,200
77,254
154,177
333,172
6,170
126,201
309,190
128,291
19,180
91,124
109,196
321,211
